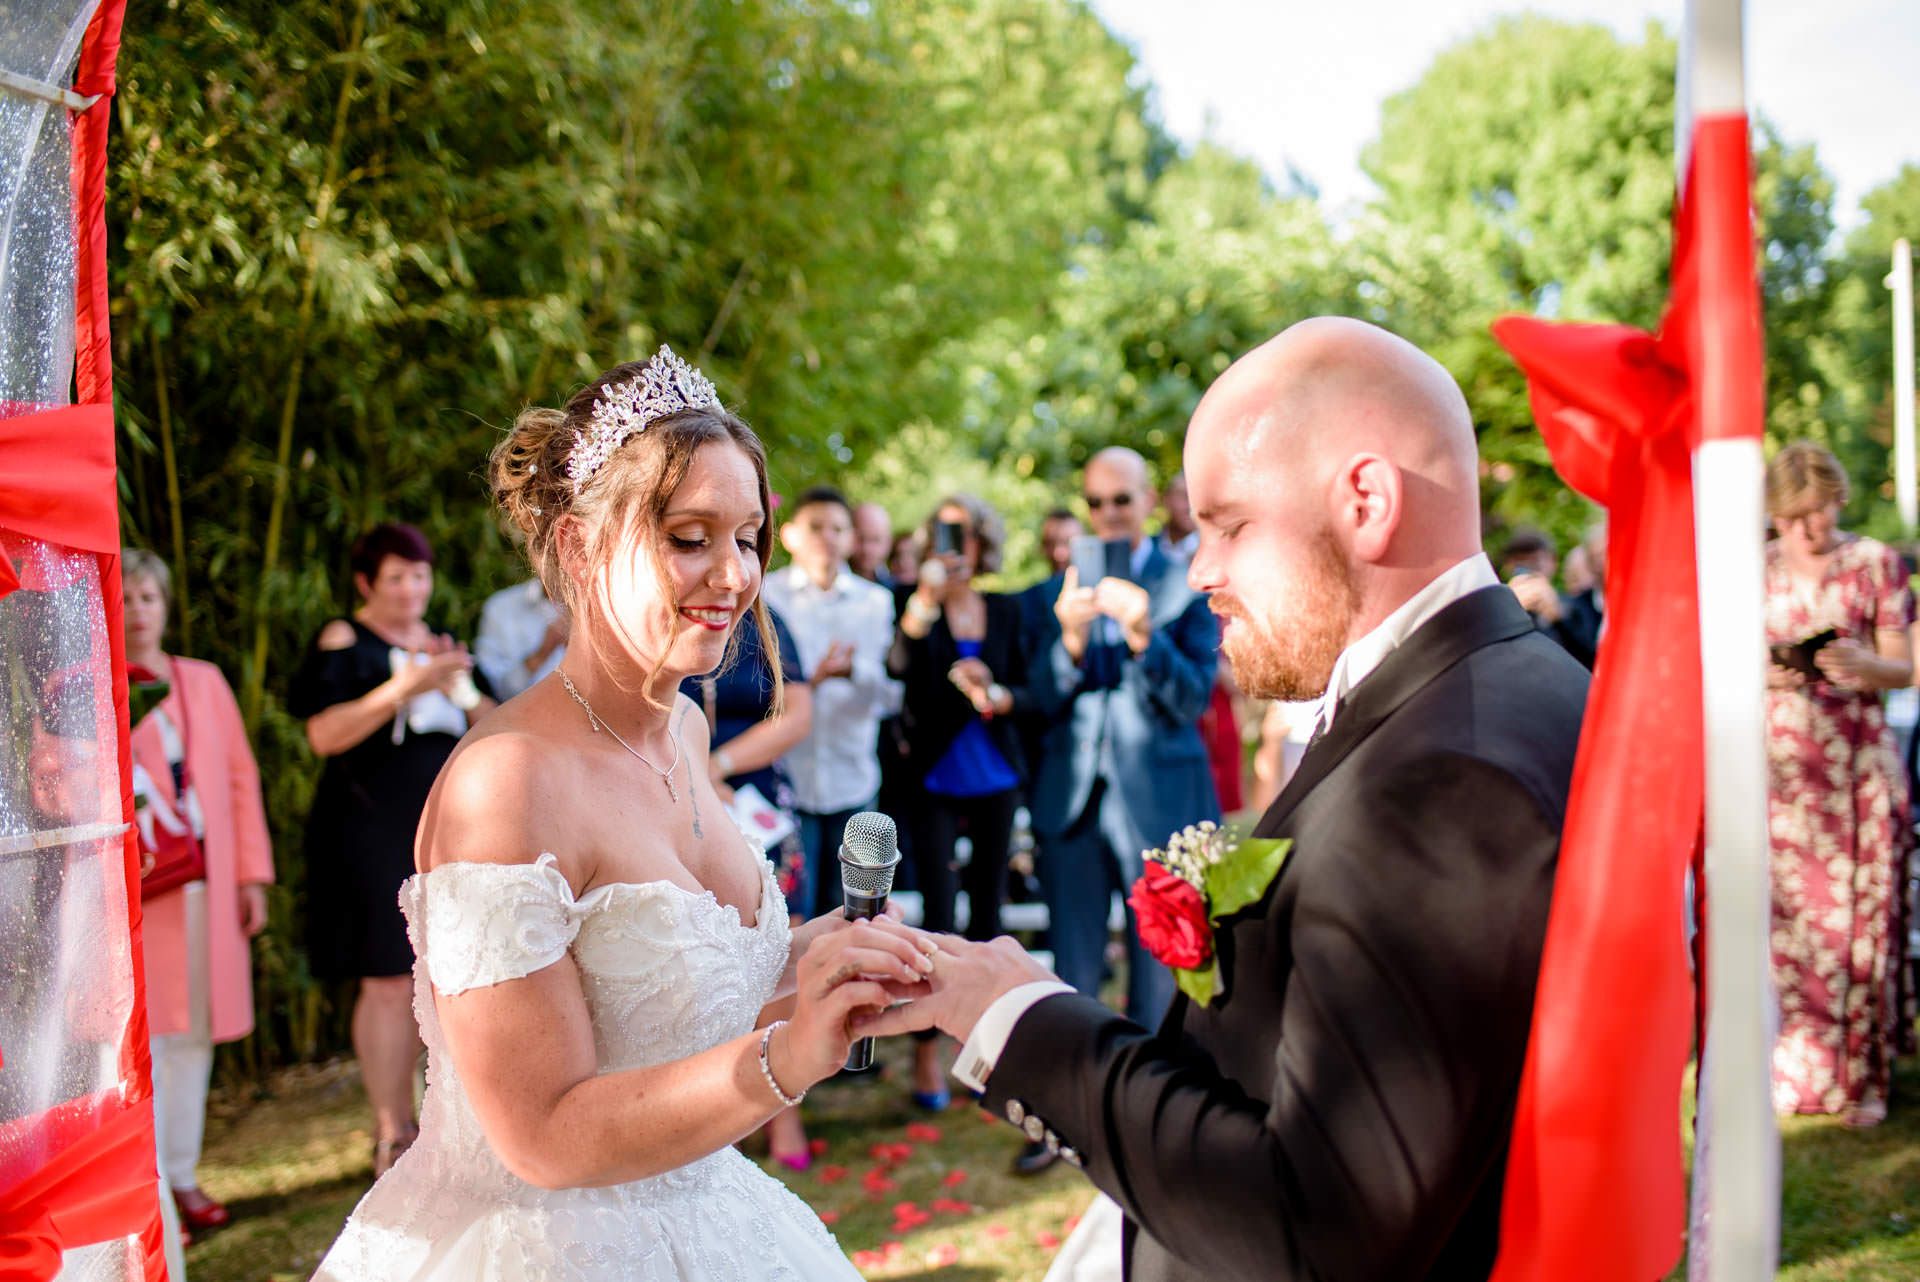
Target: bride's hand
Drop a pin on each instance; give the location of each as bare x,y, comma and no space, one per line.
805,933
849,969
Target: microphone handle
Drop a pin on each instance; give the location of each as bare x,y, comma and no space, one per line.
861,908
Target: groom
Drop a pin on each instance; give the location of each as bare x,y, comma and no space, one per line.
1342,1110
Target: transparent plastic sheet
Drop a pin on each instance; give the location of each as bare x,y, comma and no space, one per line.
38,40
66,965
67,973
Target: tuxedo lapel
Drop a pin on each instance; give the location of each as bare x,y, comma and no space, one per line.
1478,619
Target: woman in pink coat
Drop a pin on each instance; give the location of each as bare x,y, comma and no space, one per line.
198,724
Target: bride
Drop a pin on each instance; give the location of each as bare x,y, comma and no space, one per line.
595,942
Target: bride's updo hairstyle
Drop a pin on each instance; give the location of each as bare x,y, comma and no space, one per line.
620,508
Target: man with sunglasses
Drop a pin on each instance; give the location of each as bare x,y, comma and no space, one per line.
1122,668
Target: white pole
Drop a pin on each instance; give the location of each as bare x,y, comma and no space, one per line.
1737,1141
1900,281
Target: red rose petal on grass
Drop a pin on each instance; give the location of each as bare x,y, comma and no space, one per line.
816,1147
1073,1222
876,1181
953,1179
949,1206
997,1230
901,1152
828,1217
832,1174
1050,1241
924,1133
985,1116
890,1249
942,1255
908,1216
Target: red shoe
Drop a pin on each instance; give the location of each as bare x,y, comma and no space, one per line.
199,1212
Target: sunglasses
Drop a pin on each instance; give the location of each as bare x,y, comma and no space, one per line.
1095,502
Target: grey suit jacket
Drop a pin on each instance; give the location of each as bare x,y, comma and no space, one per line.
1130,720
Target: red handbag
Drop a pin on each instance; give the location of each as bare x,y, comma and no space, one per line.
171,834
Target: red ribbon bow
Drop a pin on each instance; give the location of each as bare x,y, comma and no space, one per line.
1594,1184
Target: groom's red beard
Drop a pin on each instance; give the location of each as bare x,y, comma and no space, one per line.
1290,655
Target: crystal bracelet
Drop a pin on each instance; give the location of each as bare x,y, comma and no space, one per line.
766,1068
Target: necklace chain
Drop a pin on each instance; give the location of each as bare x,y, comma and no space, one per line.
596,722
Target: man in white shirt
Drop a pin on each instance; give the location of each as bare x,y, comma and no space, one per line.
522,637
842,626
1340,1105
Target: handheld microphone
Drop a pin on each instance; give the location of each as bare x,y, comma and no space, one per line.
869,854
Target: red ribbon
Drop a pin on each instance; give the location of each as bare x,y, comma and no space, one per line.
1594,1185
57,481
101,1185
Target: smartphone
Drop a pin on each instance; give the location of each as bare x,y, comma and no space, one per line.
949,537
1095,559
1089,559
1798,655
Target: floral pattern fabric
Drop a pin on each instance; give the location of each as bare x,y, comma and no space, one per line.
1839,830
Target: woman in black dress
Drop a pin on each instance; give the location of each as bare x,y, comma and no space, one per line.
960,655
385,700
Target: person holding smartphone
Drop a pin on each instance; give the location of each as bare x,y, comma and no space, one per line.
1839,610
1121,671
961,658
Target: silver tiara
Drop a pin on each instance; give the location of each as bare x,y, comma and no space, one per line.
666,386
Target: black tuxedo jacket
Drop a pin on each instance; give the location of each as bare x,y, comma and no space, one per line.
1343,1111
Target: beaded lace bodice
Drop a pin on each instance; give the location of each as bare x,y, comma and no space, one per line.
667,973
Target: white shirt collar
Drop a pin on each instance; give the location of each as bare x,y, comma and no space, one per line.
799,581
1359,660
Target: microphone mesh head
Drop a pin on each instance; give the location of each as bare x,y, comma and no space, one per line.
869,853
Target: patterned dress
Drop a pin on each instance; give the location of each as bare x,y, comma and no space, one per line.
1837,817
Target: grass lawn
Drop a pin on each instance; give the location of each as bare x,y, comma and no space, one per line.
912,1195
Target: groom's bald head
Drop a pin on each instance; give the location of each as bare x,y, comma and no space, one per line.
1346,456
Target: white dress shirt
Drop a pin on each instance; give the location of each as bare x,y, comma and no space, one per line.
837,766
512,624
989,1037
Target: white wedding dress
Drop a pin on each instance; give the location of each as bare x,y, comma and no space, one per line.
667,973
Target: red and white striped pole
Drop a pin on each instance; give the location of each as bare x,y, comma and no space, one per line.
1736,1228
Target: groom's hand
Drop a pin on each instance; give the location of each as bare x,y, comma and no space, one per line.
967,978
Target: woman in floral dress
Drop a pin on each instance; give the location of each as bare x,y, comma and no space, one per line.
1837,797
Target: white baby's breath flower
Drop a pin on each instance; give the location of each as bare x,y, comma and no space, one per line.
1191,851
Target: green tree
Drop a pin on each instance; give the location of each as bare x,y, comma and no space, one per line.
1531,169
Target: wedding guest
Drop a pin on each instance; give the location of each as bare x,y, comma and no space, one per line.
1179,536
903,561
1837,795
522,637
961,656
191,757
1058,529
842,628
385,698
1123,671
1528,562
872,539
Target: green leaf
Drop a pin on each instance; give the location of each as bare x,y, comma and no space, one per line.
1244,875
1199,984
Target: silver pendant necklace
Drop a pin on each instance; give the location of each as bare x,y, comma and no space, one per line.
593,720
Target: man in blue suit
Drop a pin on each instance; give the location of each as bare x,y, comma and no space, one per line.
1120,672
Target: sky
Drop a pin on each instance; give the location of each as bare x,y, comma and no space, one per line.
1300,82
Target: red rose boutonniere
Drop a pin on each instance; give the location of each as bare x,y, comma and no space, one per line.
1202,876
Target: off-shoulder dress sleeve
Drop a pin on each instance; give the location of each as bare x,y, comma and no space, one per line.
480,924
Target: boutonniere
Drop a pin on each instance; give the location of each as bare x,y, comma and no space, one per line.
1204,874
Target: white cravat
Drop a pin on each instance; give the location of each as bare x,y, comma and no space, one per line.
989,1037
